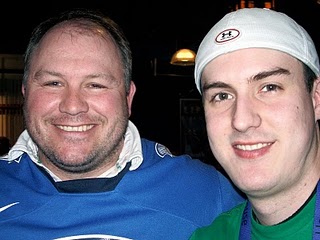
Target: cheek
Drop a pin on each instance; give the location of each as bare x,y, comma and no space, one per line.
215,126
38,102
108,103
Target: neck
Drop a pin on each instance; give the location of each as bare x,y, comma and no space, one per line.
284,205
93,171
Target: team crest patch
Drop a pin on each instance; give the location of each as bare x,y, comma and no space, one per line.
162,151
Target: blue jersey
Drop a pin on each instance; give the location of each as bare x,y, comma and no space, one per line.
167,197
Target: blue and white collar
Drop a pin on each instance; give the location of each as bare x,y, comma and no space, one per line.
131,152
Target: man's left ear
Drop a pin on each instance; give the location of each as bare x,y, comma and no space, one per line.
316,98
130,96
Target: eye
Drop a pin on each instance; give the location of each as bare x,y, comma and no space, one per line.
96,85
222,96
270,88
52,84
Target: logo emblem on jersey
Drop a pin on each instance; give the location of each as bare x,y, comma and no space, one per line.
162,151
8,206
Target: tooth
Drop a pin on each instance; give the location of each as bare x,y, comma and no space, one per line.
252,147
82,128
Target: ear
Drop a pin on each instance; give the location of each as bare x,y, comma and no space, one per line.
130,96
316,98
23,89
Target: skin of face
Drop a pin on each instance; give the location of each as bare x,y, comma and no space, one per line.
76,107
262,126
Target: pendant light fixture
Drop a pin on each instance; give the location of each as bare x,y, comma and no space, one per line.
183,57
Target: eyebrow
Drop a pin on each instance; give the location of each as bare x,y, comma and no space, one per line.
256,77
273,72
41,73
216,84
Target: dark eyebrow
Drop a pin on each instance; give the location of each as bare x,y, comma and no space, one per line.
265,74
256,77
217,84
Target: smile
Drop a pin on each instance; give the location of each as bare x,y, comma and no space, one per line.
82,128
252,147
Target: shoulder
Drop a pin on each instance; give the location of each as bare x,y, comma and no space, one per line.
184,171
158,155
232,217
225,226
19,168
154,152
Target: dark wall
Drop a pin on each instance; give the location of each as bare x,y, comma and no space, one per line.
156,29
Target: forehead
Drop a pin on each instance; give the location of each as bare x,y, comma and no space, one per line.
77,40
76,50
80,26
251,59
75,29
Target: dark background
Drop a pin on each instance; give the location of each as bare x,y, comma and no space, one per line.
155,29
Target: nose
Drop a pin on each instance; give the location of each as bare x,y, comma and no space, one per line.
73,102
246,115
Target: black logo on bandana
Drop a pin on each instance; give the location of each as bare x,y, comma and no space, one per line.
227,35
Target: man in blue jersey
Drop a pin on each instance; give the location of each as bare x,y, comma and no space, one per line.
258,73
80,170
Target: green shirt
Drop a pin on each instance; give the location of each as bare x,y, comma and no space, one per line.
227,226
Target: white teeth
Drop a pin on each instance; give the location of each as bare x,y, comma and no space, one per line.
252,147
82,128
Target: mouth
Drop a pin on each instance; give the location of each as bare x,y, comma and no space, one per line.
251,147
82,128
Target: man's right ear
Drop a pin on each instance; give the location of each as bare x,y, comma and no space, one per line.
316,98
23,89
